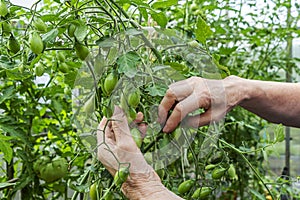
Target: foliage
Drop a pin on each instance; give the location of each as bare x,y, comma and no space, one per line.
85,41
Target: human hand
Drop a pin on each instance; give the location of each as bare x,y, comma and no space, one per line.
216,97
117,148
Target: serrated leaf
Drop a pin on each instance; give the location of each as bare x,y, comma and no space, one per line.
160,18
164,4
156,90
7,93
51,35
81,32
6,150
279,133
127,64
202,31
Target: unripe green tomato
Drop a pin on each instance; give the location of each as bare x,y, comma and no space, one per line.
60,56
134,98
71,30
109,196
107,111
231,172
42,161
89,106
132,113
121,176
39,69
185,186
3,9
110,82
81,51
36,43
201,193
99,65
39,25
93,191
210,167
136,135
217,173
193,44
6,28
63,67
13,45
148,157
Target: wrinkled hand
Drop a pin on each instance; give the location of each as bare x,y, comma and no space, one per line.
191,94
116,148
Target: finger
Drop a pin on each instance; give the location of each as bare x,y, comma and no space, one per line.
121,129
176,92
189,104
100,130
139,117
143,129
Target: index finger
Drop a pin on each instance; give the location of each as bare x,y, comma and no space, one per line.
176,92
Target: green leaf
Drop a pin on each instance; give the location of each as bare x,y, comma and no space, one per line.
5,185
279,133
202,31
6,149
160,18
15,74
156,90
144,13
51,35
127,64
81,32
164,4
7,94
258,195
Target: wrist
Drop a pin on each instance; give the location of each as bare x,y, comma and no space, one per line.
238,90
142,185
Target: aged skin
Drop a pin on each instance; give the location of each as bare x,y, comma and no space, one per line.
274,101
143,182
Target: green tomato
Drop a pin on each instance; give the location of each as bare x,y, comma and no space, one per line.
134,98
121,176
217,173
231,172
54,170
36,44
93,191
60,56
39,69
110,83
201,193
193,44
109,196
6,28
13,45
185,186
81,51
89,106
42,161
63,67
39,25
71,30
3,9
136,135
210,167
132,113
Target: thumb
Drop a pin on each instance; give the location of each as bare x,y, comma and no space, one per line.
120,126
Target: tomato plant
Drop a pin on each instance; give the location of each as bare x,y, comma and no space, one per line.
65,64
